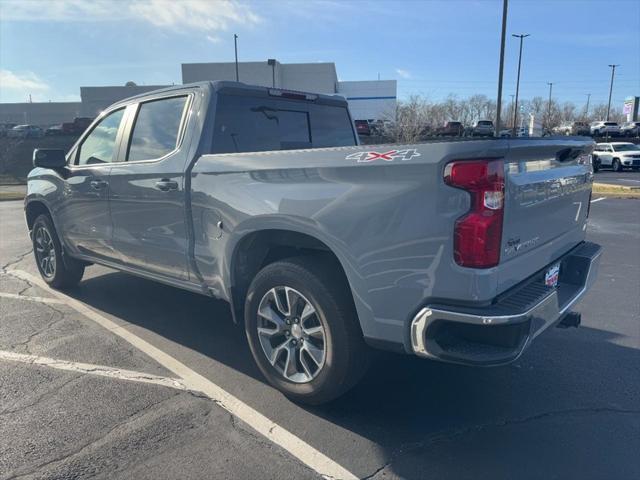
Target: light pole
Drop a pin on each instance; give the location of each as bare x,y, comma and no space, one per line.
501,68
613,72
512,105
235,44
549,107
586,110
515,107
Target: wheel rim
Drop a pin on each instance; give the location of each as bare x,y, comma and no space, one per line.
45,252
291,334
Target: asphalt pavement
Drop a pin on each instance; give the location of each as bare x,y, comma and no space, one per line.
626,178
79,401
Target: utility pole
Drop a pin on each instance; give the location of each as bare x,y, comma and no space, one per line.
586,111
235,44
613,72
501,68
549,107
515,108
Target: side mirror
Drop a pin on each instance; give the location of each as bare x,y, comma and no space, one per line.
49,158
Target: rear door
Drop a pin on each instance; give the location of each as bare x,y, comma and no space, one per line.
147,190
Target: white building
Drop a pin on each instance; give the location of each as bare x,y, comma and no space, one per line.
368,100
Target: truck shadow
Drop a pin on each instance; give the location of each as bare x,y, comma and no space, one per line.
569,408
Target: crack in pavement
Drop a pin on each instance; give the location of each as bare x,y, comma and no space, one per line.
77,451
16,260
449,435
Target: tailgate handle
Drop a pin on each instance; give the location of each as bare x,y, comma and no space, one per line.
567,154
166,185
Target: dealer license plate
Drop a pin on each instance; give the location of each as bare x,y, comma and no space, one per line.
551,276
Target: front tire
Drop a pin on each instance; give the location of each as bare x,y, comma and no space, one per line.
57,270
302,329
616,165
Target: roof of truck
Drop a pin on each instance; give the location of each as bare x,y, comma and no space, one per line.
238,87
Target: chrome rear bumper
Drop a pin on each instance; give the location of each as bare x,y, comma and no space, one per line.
499,333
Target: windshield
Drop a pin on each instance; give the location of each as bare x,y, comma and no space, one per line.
610,124
625,147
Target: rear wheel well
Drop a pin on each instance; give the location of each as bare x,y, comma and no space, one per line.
259,249
34,210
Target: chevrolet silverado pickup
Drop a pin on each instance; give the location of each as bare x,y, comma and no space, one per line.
460,251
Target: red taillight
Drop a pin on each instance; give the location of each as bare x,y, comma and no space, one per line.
478,234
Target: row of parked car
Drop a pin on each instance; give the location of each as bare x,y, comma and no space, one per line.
599,129
485,128
76,127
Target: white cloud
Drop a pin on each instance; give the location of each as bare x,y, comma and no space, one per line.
26,81
201,15
403,73
214,39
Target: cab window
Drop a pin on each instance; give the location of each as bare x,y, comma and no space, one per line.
100,145
156,128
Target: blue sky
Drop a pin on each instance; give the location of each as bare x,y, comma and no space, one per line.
50,48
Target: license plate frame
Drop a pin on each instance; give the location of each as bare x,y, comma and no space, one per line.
551,275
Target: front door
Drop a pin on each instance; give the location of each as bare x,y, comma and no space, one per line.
84,213
147,196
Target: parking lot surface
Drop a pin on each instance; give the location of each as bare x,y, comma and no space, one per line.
627,178
78,400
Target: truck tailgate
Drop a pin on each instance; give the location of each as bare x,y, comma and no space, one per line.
547,193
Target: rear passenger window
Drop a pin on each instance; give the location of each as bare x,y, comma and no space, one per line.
156,128
258,124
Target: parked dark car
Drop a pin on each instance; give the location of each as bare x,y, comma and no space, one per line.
363,127
630,129
450,129
54,131
5,127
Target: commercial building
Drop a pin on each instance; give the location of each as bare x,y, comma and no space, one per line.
368,99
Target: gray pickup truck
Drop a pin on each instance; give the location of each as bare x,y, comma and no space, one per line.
461,251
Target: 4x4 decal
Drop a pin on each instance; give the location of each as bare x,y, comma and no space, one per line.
390,156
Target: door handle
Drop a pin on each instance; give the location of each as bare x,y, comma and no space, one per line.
166,185
98,184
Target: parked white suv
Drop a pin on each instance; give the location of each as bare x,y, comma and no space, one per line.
602,128
617,155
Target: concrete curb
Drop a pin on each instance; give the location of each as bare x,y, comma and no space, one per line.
611,190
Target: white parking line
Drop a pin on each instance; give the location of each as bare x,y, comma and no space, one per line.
304,452
32,299
99,370
598,199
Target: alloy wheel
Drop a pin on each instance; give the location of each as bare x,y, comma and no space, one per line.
291,334
45,252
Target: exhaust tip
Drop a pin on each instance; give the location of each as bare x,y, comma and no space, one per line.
571,319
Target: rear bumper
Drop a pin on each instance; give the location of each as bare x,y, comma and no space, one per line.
499,333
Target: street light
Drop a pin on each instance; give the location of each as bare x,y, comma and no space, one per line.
235,45
586,110
613,72
515,107
549,109
501,68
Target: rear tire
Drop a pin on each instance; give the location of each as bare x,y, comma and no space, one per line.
58,270
596,164
311,368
